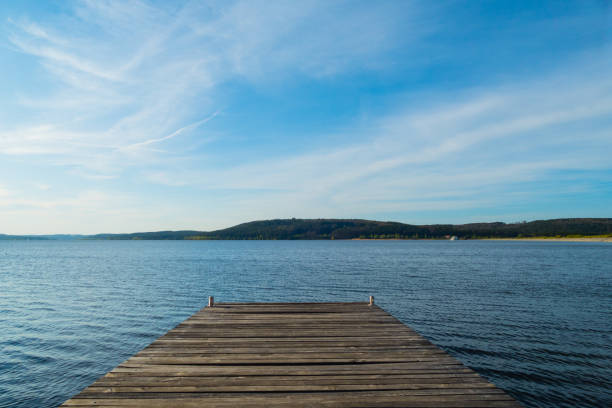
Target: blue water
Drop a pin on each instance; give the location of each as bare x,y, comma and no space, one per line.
533,318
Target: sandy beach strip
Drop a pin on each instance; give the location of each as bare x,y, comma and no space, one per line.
552,239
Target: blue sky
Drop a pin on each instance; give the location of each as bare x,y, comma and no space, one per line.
139,116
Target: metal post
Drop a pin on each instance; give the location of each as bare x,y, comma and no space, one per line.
211,301
371,300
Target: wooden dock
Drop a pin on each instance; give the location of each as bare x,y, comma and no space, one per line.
291,355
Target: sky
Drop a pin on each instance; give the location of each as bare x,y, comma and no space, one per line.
126,116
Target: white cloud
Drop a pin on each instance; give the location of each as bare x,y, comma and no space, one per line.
132,74
88,211
443,156
4,192
132,84
177,132
86,200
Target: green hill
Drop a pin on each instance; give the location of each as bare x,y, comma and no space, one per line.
292,229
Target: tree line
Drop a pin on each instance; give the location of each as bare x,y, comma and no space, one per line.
304,229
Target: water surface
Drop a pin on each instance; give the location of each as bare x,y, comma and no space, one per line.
532,317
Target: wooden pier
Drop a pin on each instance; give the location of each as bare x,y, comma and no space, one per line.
291,355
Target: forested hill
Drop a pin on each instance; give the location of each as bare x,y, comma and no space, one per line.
4,237
364,229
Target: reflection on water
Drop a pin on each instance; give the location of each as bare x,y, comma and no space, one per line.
534,318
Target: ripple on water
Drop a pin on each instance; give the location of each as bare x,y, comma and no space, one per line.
534,318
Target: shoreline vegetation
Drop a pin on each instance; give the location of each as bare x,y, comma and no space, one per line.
534,239
562,229
559,239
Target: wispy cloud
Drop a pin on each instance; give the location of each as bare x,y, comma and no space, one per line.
4,192
132,76
475,152
177,132
85,200
127,88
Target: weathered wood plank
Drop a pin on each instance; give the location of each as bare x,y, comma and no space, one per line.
205,388
367,379
299,400
291,355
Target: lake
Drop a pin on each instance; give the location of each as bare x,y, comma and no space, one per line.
535,318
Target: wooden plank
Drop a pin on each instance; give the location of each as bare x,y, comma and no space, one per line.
291,355
366,379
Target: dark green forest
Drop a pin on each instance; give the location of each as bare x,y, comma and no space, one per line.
292,229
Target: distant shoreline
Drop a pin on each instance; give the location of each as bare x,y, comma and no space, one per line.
543,239
555,239
538,239
561,229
